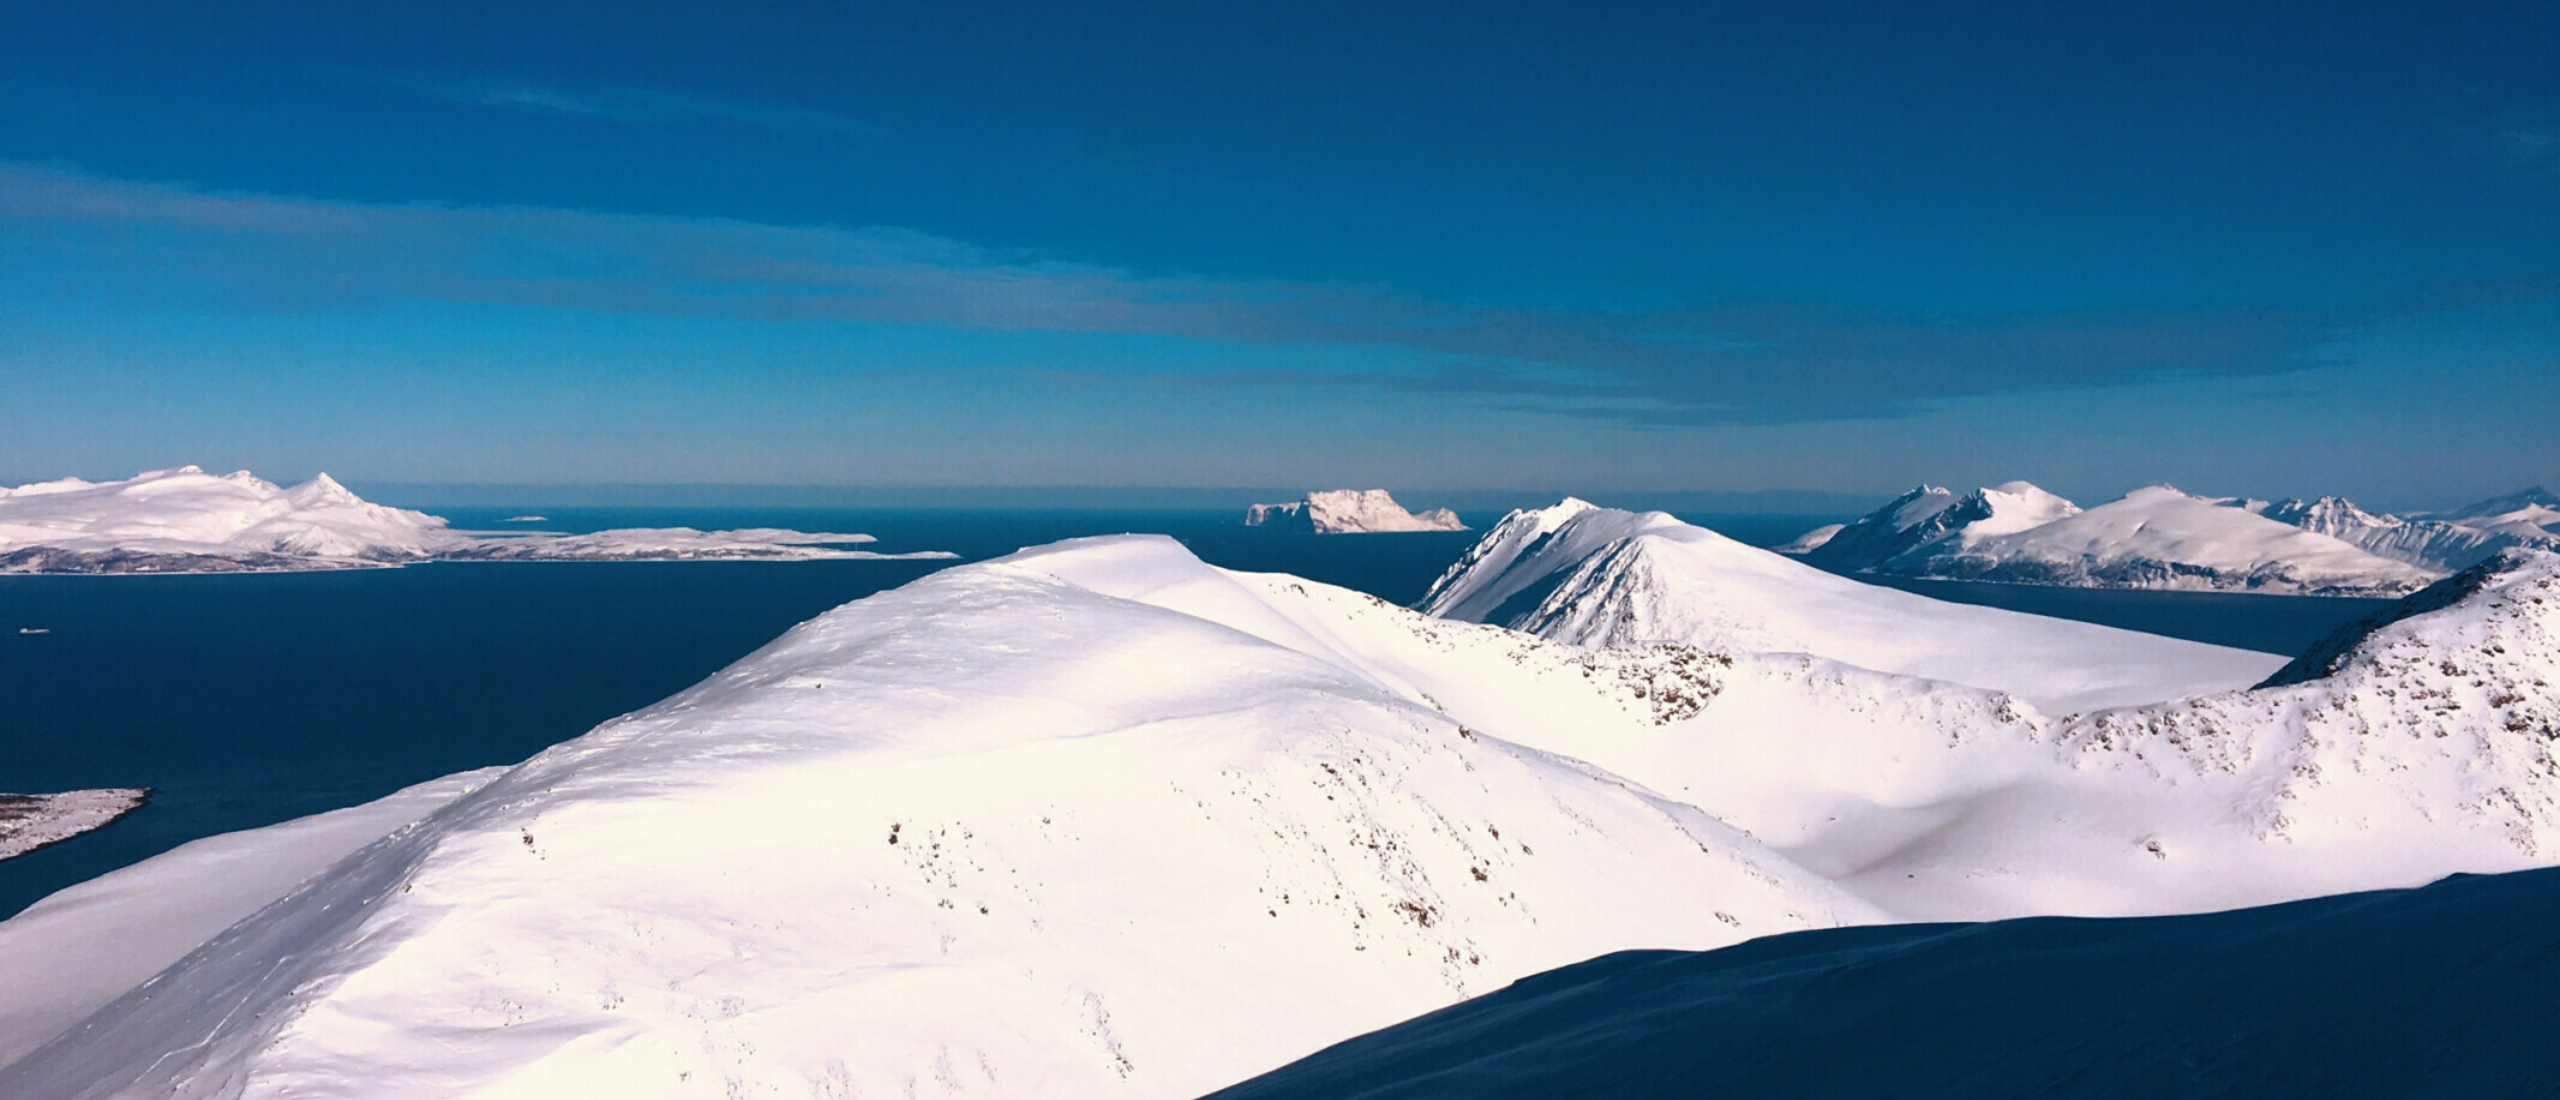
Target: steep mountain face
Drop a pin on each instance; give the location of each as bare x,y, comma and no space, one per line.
1596,577
187,520
1350,512
1931,517
2435,992
1101,820
2158,537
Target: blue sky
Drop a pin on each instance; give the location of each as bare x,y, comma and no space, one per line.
1693,247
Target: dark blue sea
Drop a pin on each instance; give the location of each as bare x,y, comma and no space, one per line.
247,700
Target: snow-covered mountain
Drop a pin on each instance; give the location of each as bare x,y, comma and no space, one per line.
1931,517
1020,828
675,544
186,520
2440,992
2444,544
1350,512
2158,537
1596,577
2537,506
1100,820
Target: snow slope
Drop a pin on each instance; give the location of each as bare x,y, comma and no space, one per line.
1596,577
2158,537
1099,819
1931,517
186,520
1350,512
2436,992
995,832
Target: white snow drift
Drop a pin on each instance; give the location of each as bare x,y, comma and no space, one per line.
187,521
1100,820
1350,512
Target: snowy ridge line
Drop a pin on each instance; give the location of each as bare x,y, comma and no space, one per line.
1598,577
187,521
1098,819
2158,537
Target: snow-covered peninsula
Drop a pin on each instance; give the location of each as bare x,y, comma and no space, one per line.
1098,819
1349,512
2159,537
185,520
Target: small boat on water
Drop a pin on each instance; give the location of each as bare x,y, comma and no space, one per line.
35,630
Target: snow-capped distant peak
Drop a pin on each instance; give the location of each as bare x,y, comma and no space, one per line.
1929,515
2329,515
1350,512
2536,501
184,520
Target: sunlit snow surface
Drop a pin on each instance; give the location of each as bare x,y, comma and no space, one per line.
1100,820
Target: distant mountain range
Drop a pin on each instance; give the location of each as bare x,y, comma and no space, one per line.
185,520
2159,537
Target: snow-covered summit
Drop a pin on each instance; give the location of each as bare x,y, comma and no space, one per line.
2159,537
2154,537
187,520
1931,517
1600,577
1094,820
1101,820
2537,506
1350,512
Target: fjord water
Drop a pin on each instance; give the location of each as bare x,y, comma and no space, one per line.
247,700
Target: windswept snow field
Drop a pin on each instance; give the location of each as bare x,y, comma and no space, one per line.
1099,819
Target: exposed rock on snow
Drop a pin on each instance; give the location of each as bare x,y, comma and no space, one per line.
31,821
1350,512
1596,577
1100,820
674,544
188,521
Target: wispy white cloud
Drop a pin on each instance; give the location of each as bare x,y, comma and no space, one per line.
1727,362
636,106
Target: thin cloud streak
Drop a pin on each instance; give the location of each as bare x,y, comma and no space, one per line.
1719,363
637,106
